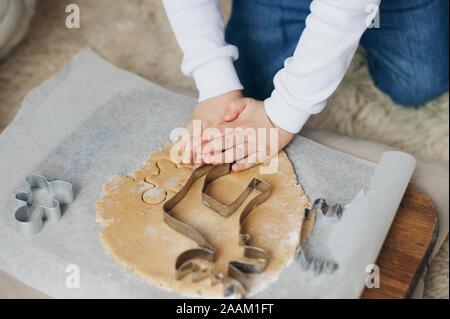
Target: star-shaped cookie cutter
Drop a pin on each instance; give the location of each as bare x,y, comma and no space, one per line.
238,269
61,193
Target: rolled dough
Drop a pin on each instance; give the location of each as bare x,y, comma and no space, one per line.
137,237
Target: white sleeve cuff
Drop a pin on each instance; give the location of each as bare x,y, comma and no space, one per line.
216,77
283,115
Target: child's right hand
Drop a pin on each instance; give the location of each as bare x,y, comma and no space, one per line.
211,113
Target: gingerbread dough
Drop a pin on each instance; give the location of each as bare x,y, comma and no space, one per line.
137,237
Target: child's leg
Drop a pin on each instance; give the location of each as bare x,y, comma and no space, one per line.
266,33
409,54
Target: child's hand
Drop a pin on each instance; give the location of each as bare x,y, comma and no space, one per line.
211,113
240,147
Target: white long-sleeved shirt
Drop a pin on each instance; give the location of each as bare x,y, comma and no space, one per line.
323,54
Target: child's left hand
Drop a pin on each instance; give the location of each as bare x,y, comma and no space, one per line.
238,141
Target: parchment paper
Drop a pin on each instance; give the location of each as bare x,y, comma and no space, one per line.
92,121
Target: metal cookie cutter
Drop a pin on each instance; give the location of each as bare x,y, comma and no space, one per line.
320,205
318,265
61,194
237,270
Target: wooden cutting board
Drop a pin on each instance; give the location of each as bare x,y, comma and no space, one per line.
407,248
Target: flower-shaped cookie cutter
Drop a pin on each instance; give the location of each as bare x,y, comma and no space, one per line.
61,193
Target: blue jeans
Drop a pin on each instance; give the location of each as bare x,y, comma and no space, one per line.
408,56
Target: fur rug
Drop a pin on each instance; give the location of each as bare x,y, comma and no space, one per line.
15,17
135,35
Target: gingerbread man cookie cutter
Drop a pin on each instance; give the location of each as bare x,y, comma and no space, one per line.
61,193
238,270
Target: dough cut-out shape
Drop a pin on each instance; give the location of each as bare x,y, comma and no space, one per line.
169,177
154,195
138,238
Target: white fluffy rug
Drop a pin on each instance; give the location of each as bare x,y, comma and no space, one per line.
15,16
135,35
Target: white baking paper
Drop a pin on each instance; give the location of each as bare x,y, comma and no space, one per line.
92,121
